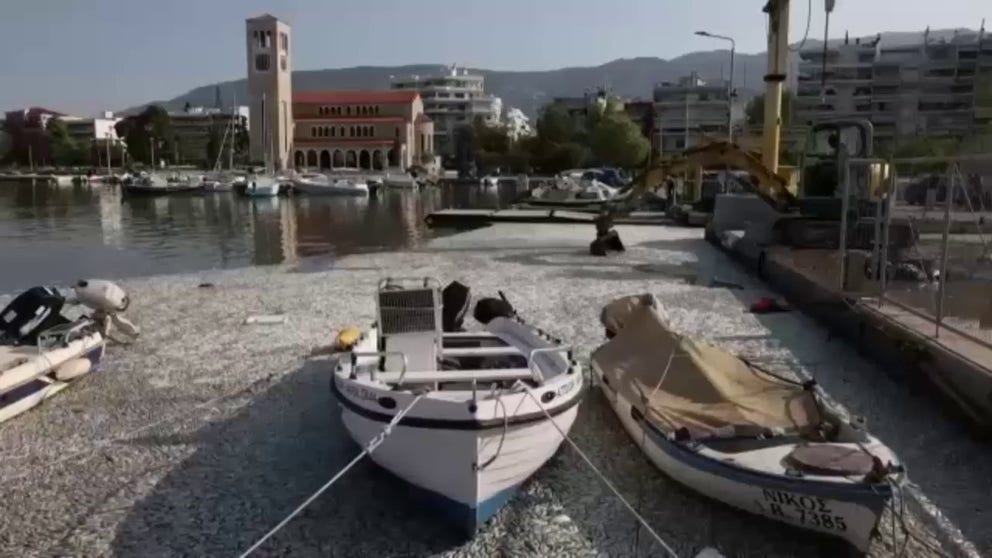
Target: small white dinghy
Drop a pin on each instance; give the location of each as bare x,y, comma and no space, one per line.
482,427
740,434
42,351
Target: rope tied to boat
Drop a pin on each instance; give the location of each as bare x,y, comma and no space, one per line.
371,446
643,522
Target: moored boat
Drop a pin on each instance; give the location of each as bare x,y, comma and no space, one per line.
153,184
42,352
738,433
323,185
403,181
481,426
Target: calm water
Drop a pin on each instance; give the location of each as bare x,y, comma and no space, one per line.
51,234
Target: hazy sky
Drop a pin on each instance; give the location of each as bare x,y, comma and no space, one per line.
83,56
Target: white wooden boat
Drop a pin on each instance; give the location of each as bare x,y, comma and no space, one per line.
42,352
323,185
740,434
489,181
477,434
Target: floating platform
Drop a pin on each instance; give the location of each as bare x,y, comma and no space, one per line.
473,218
900,340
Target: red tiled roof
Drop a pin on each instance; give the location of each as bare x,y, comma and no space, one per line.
347,119
421,118
356,97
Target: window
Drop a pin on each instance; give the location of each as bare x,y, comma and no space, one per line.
347,111
396,131
371,131
351,131
282,62
341,131
313,131
377,110
284,41
262,62
332,131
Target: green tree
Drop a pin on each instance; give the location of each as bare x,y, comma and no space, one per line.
141,130
64,150
754,112
617,141
556,125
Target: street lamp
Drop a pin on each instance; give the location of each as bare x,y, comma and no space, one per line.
730,82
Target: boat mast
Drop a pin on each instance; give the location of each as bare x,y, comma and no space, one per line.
230,150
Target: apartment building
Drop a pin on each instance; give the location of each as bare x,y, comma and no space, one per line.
690,112
193,126
932,87
452,100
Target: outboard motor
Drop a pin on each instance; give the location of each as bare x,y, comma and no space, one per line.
488,308
32,312
101,295
108,300
455,300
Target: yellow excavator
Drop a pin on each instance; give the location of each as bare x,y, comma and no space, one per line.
809,217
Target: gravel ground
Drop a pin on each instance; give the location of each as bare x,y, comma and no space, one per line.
203,435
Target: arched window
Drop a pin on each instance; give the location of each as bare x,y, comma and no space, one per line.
377,110
313,131
332,131
341,132
347,110
351,132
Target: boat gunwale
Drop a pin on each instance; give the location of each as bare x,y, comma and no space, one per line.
690,455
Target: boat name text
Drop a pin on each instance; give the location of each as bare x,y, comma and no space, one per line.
805,510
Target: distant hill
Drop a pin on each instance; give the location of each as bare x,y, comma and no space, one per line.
529,91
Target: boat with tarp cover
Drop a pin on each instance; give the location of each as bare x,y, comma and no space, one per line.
738,433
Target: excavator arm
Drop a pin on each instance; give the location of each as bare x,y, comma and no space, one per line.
720,154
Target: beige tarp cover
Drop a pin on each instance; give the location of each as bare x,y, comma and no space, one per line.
707,390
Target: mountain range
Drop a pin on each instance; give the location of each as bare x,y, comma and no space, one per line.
632,78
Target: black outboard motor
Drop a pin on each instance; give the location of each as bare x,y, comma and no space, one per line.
488,308
32,312
455,300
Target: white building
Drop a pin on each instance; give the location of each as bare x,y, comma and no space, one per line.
452,100
930,87
691,112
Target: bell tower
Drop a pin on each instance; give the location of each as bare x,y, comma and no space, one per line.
270,91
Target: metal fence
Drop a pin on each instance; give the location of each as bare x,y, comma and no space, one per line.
944,278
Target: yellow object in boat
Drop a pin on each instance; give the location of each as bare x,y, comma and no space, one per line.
347,338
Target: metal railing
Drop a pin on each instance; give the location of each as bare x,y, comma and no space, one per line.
949,250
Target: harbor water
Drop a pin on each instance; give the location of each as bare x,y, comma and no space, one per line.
56,234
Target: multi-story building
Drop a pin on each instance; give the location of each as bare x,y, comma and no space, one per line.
193,127
930,87
452,100
270,90
690,112
361,129
28,139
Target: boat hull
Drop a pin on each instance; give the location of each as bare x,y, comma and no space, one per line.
847,511
28,395
466,469
328,190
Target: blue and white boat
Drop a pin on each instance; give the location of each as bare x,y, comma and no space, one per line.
738,433
483,427
42,351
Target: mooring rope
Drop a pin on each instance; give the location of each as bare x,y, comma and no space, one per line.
598,473
369,448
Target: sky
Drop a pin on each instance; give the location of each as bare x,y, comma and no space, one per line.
85,56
